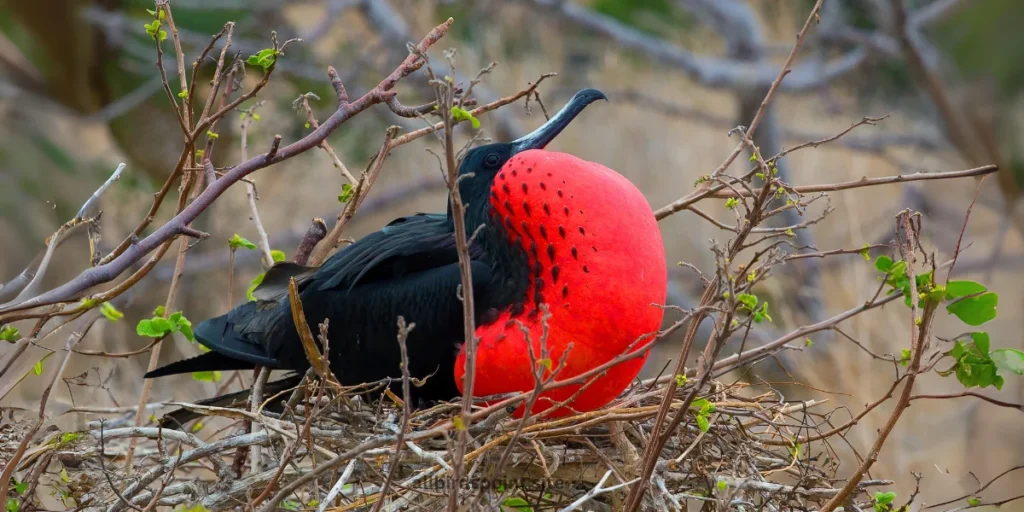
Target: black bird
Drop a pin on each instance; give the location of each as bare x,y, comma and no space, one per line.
408,268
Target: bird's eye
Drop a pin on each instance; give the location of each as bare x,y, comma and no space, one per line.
492,160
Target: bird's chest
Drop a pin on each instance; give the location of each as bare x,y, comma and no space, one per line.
594,255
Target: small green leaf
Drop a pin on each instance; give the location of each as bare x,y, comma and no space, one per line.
866,252
184,327
277,255
883,501
184,95
1009,359
9,333
975,311
212,376
252,286
883,263
517,503
346,193
974,501
680,380
306,126
264,58
111,312
732,203
11,505
721,485
64,477
20,487
197,427
794,450
237,241
905,356
956,289
747,300
212,135
460,114
159,311
457,421
290,505
808,342
546,363
155,327
702,423
38,368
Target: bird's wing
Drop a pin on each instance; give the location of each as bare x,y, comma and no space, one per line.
407,245
400,269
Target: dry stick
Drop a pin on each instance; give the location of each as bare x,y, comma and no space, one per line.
362,188
314,234
722,192
250,190
919,339
303,101
445,100
403,335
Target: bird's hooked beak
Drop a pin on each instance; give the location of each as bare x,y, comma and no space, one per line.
549,130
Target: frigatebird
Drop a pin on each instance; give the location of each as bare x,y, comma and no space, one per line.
536,218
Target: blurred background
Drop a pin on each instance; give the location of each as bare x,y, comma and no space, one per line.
79,93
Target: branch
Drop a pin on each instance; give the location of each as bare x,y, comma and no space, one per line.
107,272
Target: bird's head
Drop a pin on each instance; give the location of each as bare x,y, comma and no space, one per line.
484,162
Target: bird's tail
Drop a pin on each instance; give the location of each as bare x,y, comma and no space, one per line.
175,419
207,362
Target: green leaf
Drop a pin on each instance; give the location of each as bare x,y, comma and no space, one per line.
38,368
680,379
905,357
290,505
460,114
1009,359
11,505
20,487
974,367
546,363
762,313
159,311
883,263
702,423
346,193
975,311
981,343
213,376
252,286
883,501
277,255
721,485
155,327
732,203
747,300
184,326
517,503
973,501
9,333
956,289
264,58
111,312
236,241
64,477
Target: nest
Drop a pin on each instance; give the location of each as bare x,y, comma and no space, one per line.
736,448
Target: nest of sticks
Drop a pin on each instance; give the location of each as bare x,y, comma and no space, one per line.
736,448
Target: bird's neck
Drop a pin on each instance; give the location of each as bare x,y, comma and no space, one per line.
508,260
